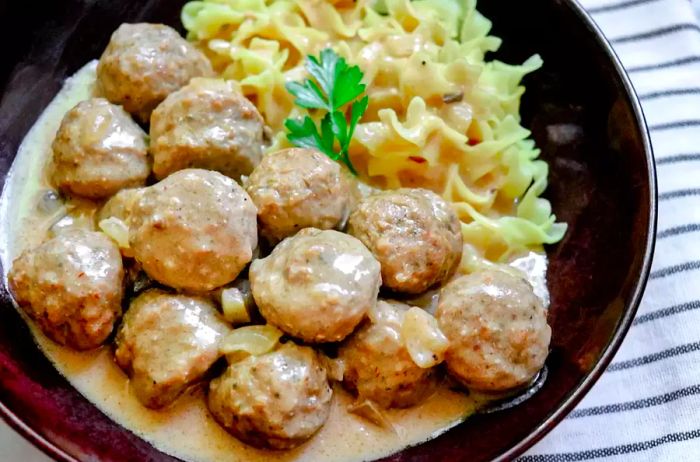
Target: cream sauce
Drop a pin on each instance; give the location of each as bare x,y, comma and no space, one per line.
186,429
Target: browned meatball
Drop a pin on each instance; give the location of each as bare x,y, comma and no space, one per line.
166,343
298,188
195,230
207,124
144,63
277,400
415,235
99,150
378,366
497,329
316,285
72,286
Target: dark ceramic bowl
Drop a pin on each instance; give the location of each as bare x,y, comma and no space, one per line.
585,117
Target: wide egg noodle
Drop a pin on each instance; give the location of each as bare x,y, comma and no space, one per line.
439,116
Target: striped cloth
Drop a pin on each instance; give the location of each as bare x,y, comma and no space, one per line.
646,407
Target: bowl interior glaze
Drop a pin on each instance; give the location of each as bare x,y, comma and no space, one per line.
584,117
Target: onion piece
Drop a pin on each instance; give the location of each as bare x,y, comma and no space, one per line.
369,410
249,341
234,306
116,230
335,368
422,337
50,203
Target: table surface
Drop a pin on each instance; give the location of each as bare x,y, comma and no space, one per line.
15,448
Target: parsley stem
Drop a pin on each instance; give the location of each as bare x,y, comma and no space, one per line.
335,86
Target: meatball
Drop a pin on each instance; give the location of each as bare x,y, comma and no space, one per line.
316,285
72,286
377,365
195,230
207,124
277,400
497,329
298,188
415,235
119,206
144,63
166,343
99,150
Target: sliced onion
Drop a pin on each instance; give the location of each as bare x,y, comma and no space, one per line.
235,306
249,341
50,203
116,230
425,342
335,368
369,410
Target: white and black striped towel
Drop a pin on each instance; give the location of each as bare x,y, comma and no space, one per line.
646,407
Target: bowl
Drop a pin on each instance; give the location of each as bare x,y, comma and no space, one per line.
584,116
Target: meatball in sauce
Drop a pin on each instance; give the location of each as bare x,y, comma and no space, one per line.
497,329
166,343
196,230
378,366
299,188
277,400
317,285
72,286
207,124
143,63
415,235
99,150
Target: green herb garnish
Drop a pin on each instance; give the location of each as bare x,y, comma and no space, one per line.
336,85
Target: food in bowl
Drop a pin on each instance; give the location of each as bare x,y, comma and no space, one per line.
322,258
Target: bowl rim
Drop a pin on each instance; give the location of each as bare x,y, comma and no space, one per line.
585,385
46,446
52,450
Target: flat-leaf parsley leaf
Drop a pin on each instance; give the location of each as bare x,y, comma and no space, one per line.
336,85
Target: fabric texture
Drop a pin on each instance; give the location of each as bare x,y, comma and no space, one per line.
646,407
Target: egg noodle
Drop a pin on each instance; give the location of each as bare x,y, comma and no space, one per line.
439,115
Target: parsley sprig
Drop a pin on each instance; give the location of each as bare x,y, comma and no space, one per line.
335,85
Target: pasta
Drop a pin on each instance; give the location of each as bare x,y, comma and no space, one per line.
439,116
